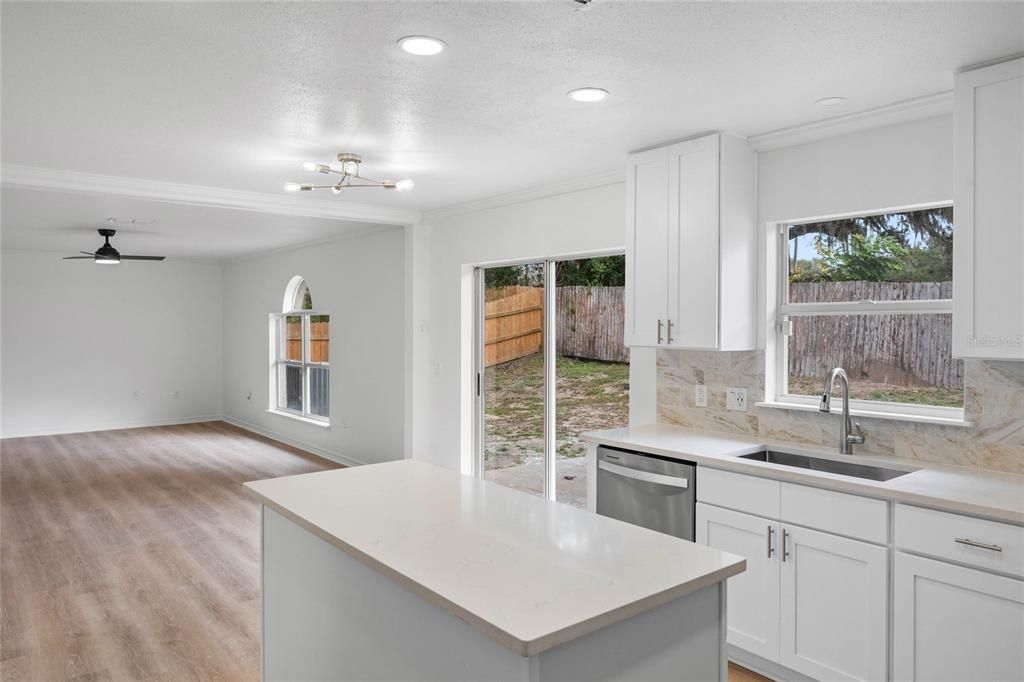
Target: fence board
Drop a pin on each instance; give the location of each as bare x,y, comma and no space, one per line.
591,323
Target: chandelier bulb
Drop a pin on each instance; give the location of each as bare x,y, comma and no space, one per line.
404,185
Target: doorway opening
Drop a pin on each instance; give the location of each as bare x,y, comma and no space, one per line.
551,364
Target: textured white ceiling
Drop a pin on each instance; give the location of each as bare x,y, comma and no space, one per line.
236,95
65,223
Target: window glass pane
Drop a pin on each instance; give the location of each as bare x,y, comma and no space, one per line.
319,338
319,394
293,387
891,358
514,376
887,257
293,338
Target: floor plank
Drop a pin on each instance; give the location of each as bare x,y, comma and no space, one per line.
134,554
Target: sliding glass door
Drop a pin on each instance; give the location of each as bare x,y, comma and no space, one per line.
551,364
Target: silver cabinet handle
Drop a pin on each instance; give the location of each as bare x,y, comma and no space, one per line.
670,332
659,331
645,476
771,550
979,545
785,548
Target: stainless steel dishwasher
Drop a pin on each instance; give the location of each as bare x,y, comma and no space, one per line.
648,490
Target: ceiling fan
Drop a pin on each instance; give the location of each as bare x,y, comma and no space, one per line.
107,254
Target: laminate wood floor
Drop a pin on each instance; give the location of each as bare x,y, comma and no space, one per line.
134,554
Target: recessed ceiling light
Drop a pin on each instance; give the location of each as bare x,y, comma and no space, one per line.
421,46
830,101
588,94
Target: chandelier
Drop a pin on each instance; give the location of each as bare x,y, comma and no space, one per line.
348,176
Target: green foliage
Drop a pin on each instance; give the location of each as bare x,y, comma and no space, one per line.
607,271
873,258
604,271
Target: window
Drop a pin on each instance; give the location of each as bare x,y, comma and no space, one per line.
300,376
872,294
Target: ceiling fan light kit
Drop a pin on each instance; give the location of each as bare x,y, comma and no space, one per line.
107,254
348,177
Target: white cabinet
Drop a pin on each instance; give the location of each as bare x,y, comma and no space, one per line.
834,615
955,623
753,601
988,238
810,601
691,245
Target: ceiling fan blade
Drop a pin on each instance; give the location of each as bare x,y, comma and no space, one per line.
79,258
124,257
87,253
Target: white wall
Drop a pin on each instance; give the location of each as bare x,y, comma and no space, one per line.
360,282
444,249
80,340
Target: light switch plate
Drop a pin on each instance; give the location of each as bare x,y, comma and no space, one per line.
736,399
700,395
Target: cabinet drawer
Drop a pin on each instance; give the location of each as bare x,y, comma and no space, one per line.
840,513
986,544
738,491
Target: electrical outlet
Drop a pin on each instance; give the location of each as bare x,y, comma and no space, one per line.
736,399
136,395
700,395
177,395
249,396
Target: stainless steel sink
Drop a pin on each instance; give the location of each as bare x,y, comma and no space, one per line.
831,466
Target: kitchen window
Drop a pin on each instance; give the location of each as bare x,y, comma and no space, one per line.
871,293
300,372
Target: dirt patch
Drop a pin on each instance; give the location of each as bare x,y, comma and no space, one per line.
590,395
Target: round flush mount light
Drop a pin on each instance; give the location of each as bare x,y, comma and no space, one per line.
588,94
421,46
830,101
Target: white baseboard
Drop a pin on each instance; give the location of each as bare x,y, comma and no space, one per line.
307,447
110,426
764,667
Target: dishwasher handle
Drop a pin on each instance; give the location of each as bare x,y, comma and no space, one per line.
646,476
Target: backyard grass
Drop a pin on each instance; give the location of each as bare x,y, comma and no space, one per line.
866,390
590,395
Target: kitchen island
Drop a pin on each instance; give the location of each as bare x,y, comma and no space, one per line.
405,570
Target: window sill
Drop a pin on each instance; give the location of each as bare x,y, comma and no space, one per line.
299,418
873,414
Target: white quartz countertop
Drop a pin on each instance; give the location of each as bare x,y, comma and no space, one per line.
956,489
530,573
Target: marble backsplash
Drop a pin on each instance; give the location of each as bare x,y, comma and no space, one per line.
994,404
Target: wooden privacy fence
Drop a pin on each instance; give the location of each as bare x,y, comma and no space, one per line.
319,339
590,323
904,350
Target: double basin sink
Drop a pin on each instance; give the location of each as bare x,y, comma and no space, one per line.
831,466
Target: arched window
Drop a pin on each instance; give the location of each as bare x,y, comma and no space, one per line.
300,377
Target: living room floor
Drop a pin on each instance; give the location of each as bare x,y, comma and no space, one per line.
134,554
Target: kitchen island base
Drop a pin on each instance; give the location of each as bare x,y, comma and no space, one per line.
328,615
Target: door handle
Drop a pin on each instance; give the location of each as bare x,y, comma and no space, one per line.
771,550
785,545
659,332
979,545
669,332
645,476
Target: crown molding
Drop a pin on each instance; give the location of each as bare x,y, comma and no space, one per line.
542,192
56,180
891,114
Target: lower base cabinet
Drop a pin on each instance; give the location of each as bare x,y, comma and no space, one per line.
955,623
834,615
812,602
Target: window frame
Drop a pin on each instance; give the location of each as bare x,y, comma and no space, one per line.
779,330
278,399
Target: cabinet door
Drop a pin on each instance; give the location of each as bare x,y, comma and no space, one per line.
834,606
647,254
752,596
988,237
693,285
954,623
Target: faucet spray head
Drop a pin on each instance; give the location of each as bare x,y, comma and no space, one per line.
826,401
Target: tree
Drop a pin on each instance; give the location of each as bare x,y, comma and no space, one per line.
873,258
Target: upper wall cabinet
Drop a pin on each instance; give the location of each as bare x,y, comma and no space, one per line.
988,241
690,245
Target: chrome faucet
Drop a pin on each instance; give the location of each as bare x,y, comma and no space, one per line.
848,434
